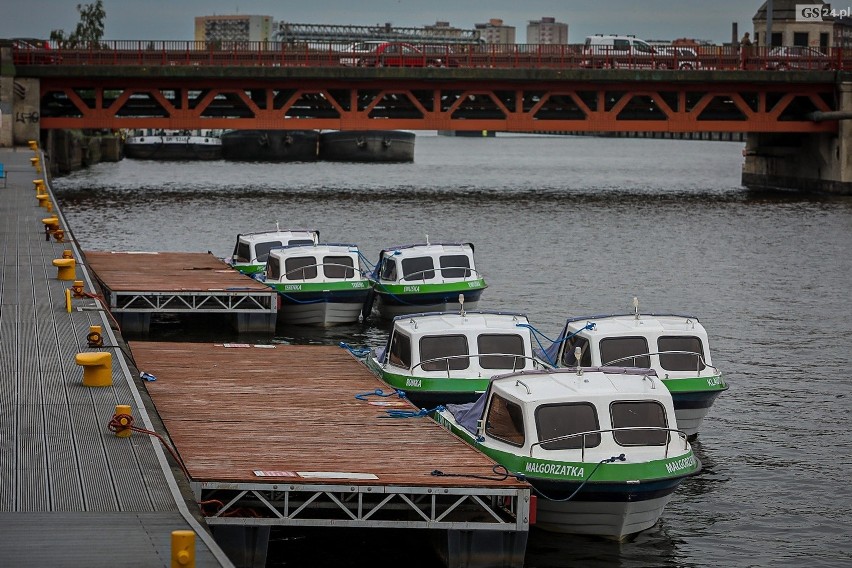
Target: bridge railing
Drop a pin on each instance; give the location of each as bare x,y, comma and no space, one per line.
512,56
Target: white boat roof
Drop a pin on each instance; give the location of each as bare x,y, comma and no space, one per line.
321,248
561,385
646,324
278,234
453,322
430,249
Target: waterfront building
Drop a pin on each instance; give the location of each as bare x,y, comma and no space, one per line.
494,31
234,28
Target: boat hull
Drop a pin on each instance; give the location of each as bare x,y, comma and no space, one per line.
321,309
613,511
390,305
173,148
367,146
693,397
270,145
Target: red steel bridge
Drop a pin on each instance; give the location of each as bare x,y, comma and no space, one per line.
521,88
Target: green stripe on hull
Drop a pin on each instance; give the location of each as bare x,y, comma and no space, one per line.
422,384
696,384
407,289
320,286
668,468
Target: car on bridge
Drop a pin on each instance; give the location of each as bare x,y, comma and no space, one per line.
797,57
401,54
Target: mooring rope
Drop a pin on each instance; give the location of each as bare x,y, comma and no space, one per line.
498,476
123,422
612,459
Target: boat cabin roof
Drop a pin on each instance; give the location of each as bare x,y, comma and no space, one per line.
629,324
282,236
454,323
343,249
561,385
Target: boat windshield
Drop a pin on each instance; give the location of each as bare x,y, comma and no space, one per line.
680,353
625,351
639,415
505,344
261,250
556,420
338,267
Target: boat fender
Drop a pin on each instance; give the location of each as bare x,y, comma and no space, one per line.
263,140
386,142
360,142
288,140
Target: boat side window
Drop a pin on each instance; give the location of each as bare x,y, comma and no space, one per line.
300,268
418,268
680,361
455,266
338,267
400,350
506,345
242,252
262,249
639,414
505,421
557,420
444,348
273,268
389,269
568,358
615,348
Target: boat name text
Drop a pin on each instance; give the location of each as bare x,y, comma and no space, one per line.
683,463
413,383
474,284
292,286
715,381
411,289
554,469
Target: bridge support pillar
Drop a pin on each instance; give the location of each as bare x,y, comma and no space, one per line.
19,104
819,163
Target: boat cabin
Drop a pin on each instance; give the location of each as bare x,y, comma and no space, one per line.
468,344
252,249
313,263
565,415
673,345
426,264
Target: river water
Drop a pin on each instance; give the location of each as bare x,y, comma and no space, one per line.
577,225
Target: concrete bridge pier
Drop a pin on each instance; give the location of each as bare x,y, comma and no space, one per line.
19,104
819,162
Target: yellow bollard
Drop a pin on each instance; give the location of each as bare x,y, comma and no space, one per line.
43,200
97,368
95,338
67,268
183,549
77,290
68,300
39,185
67,254
51,223
123,419
33,144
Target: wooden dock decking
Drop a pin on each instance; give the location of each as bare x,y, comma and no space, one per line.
137,285
233,411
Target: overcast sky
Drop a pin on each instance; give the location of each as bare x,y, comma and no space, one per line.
174,19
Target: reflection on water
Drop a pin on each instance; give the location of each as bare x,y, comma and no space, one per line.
566,225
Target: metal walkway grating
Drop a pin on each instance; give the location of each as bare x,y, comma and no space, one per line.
71,492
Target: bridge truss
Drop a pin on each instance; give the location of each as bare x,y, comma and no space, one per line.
393,99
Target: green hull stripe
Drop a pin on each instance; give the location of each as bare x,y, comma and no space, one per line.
403,289
423,384
320,286
668,468
250,268
696,384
